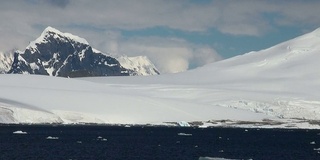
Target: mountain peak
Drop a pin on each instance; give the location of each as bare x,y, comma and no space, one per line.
56,34
51,29
141,65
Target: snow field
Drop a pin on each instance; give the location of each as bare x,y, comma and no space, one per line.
279,84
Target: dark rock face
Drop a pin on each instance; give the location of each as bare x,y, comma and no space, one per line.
59,54
19,66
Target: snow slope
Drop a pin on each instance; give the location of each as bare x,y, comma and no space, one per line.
75,101
279,84
282,81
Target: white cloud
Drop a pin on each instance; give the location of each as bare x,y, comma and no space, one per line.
167,58
170,55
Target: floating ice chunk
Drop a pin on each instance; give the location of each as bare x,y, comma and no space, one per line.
313,142
101,138
50,137
19,132
183,124
184,134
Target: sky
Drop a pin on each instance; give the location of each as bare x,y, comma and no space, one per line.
176,35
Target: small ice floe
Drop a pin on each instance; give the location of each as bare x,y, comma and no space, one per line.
221,151
19,132
79,142
195,146
203,126
101,138
220,137
313,142
316,149
183,124
127,126
246,130
184,134
54,138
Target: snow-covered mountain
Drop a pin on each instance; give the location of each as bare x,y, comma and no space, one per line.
5,62
275,87
62,54
141,65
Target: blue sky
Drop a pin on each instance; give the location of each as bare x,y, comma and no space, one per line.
176,35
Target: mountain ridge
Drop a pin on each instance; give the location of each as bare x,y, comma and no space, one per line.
55,53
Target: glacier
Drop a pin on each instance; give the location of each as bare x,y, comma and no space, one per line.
275,87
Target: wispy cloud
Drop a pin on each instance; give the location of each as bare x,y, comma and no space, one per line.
170,55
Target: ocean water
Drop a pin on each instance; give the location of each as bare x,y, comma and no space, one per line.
115,142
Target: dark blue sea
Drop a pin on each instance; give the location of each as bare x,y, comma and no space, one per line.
165,143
